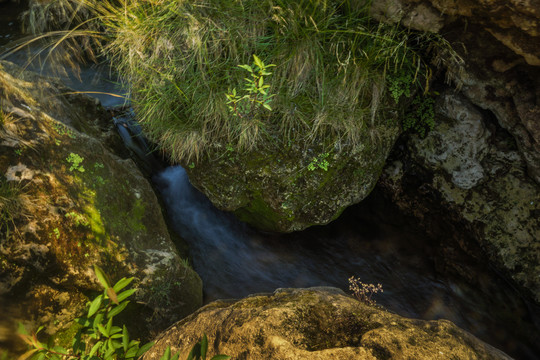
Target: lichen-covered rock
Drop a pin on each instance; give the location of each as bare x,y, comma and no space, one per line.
500,44
291,189
472,169
71,203
317,323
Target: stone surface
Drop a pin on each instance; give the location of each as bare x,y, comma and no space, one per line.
317,323
286,190
472,169
72,215
500,44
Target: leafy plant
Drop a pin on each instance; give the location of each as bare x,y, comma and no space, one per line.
78,219
400,84
421,115
99,338
75,160
362,291
319,162
256,96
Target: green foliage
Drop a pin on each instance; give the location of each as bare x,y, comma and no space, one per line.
99,338
319,162
62,129
256,96
78,219
400,84
75,160
421,116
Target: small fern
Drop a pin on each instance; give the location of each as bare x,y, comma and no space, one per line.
421,117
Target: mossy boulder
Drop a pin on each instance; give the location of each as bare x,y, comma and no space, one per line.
290,189
69,202
317,323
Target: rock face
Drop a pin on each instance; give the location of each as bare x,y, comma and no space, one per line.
480,167
69,202
469,172
317,323
500,43
291,189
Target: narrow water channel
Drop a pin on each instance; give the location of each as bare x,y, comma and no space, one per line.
369,240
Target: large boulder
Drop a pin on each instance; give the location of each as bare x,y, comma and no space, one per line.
317,323
468,173
291,189
69,202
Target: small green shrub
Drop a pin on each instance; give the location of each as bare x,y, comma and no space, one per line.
420,117
75,160
319,162
99,338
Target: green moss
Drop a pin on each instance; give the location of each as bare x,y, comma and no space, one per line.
64,337
259,212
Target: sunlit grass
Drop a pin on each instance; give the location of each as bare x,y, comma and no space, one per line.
181,57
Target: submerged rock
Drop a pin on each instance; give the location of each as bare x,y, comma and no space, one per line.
317,323
69,202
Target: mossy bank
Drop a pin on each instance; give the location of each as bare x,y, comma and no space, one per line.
72,203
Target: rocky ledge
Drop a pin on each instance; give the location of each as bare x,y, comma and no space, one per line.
317,323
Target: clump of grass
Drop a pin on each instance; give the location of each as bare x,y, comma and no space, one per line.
10,206
330,81
334,68
66,32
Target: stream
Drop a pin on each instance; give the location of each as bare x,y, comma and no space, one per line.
370,240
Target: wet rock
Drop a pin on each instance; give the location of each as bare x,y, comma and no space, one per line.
73,203
468,172
317,323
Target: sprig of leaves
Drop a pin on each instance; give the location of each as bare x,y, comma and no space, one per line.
256,97
99,338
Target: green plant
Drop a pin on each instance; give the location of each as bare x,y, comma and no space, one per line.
256,96
99,338
421,115
56,233
78,219
400,84
362,291
319,162
75,160
18,152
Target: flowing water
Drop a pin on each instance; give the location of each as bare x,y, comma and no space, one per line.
370,241
235,260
